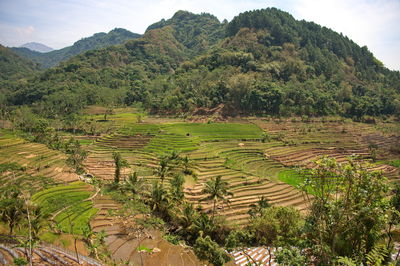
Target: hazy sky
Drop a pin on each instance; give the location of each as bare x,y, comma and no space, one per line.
56,23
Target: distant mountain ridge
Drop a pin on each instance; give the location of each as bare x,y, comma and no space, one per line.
13,66
37,47
97,41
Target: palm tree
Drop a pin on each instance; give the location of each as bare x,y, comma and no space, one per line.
119,164
173,156
187,163
203,224
39,219
256,209
188,215
159,199
12,209
134,184
163,170
176,188
217,190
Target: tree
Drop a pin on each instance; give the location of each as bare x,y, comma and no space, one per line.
72,121
257,209
76,155
349,211
163,170
109,111
187,215
160,201
176,188
12,210
395,219
206,249
38,220
187,164
119,164
239,238
290,256
277,226
217,190
134,184
202,223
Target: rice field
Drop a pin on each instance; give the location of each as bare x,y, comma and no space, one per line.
69,205
253,166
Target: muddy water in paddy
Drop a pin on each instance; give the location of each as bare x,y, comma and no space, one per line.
123,246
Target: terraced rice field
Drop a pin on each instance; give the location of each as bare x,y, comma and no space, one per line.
37,158
235,152
335,140
44,255
123,243
249,174
69,206
216,131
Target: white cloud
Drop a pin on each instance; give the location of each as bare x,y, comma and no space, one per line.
16,35
367,22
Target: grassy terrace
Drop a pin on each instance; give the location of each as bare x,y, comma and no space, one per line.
232,150
68,204
165,143
216,131
142,129
36,158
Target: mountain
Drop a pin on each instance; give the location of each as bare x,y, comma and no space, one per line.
97,41
37,47
262,62
13,67
195,32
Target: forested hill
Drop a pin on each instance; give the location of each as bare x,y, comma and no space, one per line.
14,67
97,41
262,62
196,32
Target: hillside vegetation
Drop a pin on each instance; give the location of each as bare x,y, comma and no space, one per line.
264,140
97,41
262,62
13,66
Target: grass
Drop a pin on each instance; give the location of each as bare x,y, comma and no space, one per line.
143,129
216,131
290,177
395,163
167,143
76,217
69,200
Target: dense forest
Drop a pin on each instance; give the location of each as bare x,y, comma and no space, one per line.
14,67
261,62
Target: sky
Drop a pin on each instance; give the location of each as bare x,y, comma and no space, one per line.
59,23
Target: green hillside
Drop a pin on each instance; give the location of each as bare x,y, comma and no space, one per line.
13,66
262,62
97,41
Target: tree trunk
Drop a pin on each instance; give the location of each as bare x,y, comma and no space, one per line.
11,225
76,250
213,213
30,233
270,255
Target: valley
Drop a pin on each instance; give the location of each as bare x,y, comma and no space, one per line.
263,140
257,157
